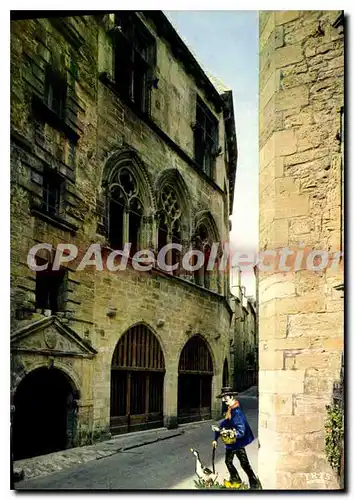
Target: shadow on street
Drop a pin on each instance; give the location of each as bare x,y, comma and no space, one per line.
160,465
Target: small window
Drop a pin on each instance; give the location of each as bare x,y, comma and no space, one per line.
52,189
134,59
205,138
55,92
51,288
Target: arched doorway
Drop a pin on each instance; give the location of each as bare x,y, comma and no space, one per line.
225,374
45,413
195,373
137,374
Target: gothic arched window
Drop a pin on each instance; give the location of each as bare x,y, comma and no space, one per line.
202,243
125,211
169,230
205,236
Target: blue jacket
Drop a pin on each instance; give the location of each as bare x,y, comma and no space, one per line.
239,422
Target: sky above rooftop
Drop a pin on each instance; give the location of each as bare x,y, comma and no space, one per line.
226,44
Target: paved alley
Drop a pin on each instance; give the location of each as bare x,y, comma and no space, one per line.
166,464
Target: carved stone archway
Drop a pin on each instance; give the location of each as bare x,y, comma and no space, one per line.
44,420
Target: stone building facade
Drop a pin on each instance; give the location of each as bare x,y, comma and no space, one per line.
300,193
117,135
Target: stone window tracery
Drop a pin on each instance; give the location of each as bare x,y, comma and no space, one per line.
170,230
203,243
204,238
125,211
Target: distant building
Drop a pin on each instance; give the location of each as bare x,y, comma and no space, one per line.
243,336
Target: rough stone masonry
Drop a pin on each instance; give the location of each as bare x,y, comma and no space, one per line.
300,193
74,132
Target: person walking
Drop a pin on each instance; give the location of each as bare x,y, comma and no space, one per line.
235,433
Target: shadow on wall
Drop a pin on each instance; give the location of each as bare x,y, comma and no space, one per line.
338,402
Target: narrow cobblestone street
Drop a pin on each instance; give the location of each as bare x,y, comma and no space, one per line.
164,464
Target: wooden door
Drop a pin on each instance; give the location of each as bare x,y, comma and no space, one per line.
137,376
194,381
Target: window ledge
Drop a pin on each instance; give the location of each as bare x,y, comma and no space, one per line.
193,285
107,248
155,268
157,271
53,219
21,140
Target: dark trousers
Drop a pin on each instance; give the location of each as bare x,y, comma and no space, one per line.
246,466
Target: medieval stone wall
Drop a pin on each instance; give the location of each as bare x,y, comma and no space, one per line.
174,312
300,312
105,126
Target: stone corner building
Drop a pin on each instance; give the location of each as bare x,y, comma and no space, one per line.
301,201
117,135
